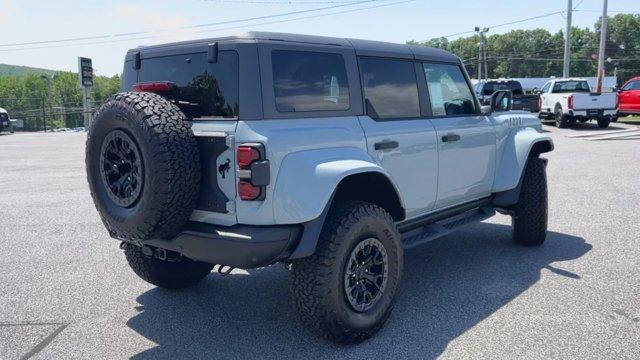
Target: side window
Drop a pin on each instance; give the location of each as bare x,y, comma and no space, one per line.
201,89
309,81
545,88
448,90
390,88
633,85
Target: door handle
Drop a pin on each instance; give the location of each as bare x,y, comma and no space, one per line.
450,138
385,145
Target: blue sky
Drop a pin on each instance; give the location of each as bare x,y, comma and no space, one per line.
39,20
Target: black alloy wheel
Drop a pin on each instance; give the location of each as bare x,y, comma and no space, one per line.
121,168
365,276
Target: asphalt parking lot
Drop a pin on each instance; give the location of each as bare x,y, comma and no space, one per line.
67,292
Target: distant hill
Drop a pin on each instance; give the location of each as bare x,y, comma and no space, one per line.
16,70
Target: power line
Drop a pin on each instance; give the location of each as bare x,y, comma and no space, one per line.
98,37
500,25
282,2
218,29
307,17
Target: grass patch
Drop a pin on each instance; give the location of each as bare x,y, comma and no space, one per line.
629,120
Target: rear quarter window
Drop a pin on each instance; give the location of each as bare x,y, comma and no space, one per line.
201,89
309,81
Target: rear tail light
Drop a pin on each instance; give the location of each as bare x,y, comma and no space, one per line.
539,104
154,87
570,101
245,155
253,171
247,191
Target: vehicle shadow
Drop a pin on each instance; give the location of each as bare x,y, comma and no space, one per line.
449,286
587,126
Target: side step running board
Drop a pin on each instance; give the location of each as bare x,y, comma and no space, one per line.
443,227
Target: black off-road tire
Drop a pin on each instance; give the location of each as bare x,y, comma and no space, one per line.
170,166
178,273
561,120
318,281
529,220
604,122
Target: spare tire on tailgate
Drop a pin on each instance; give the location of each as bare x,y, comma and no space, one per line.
143,166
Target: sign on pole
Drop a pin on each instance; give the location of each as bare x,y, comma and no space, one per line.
85,78
85,72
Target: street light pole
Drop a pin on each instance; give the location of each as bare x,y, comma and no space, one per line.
603,41
567,42
482,55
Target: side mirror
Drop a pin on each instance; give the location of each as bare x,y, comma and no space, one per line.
501,100
485,110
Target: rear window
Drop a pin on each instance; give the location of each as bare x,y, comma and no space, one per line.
309,81
201,89
513,86
390,88
571,86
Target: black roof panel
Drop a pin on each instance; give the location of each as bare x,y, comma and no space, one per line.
362,47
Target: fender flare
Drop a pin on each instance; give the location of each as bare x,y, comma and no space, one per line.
307,180
518,148
515,153
306,185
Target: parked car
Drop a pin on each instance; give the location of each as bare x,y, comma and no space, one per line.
629,97
570,100
521,101
330,155
5,121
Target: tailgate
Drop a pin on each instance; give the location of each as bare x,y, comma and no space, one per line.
526,102
597,101
217,159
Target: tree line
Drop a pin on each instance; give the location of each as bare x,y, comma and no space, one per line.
54,100
539,53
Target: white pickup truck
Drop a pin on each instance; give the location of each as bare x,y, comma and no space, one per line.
570,100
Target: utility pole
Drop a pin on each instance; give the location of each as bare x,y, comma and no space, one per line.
603,41
567,42
44,115
482,55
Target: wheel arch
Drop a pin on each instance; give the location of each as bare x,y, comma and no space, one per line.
521,147
308,180
373,187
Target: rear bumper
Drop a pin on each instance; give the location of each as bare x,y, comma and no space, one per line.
601,112
240,246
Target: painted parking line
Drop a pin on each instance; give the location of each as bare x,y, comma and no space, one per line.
603,133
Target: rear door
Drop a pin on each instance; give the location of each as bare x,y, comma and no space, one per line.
630,97
466,139
399,134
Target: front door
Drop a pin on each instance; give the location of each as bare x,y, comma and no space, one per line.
399,137
466,139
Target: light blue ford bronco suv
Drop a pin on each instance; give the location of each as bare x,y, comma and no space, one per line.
329,155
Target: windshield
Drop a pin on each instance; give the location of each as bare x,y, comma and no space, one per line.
571,87
491,87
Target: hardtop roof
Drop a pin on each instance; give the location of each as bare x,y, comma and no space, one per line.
362,47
